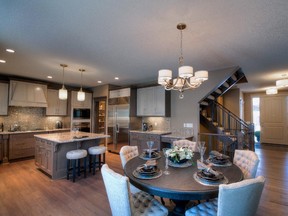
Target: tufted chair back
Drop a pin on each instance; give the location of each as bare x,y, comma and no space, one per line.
122,202
247,161
186,143
127,153
237,199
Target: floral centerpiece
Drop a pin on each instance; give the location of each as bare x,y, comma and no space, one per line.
179,154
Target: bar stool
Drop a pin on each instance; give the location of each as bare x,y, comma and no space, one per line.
93,152
73,156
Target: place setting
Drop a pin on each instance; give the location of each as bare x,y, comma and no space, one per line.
150,153
217,159
208,176
149,170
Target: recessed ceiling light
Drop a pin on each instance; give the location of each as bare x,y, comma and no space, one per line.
49,77
116,78
10,50
99,81
2,61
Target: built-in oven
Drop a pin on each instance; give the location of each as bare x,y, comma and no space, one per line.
80,113
81,126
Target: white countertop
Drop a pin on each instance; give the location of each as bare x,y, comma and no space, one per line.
158,132
70,136
33,131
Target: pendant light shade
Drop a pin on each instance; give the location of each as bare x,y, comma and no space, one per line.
63,94
80,93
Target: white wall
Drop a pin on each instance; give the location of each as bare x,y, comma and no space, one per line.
187,110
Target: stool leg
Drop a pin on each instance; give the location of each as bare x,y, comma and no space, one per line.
90,163
99,162
94,163
84,167
79,166
68,167
104,161
74,169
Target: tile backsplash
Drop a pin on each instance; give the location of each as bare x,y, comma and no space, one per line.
158,123
31,118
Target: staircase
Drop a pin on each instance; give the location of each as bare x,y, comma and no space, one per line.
227,131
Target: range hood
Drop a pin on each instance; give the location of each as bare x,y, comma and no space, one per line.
27,94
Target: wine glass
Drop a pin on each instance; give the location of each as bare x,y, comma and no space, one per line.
150,145
201,147
165,153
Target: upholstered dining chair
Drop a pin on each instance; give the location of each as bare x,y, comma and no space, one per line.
186,143
247,161
122,202
237,199
127,153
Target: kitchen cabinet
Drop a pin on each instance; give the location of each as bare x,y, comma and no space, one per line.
4,98
153,101
21,145
43,155
120,93
1,148
140,140
87,103
56,107
27,94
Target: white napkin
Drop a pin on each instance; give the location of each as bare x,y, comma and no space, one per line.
151,163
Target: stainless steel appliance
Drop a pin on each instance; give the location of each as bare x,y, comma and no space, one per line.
81,113
144,126
118,125
81,126
58,125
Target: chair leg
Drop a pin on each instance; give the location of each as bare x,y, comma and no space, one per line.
104,160
90,163
162,201
74,169
84,167
99,162
68,167
79,166
94,164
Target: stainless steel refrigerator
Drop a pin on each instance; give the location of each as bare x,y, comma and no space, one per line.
118,126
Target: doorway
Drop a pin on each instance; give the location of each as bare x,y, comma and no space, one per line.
256,117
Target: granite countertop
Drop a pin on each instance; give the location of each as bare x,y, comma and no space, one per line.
157,132
70,136
177,136
33,131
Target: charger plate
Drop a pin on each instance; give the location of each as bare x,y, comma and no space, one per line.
206,182
138,175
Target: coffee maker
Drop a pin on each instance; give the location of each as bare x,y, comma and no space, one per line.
58,125
144,126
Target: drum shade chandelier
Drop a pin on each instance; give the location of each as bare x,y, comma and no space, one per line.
186,79
80,93
63,94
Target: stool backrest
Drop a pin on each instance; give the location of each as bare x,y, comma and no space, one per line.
187,144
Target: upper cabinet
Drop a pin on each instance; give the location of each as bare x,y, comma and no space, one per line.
153,101
87,103
4,98
55,105
27,94
120,93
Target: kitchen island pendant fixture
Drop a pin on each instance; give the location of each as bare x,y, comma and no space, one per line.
80,93
186,79
63,94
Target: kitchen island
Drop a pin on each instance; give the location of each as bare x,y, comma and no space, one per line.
51,149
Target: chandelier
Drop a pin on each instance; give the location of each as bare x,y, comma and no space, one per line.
186,79
80,93
63,94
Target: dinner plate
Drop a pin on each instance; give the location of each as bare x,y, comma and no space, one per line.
218,161
154,155
147,170
209,176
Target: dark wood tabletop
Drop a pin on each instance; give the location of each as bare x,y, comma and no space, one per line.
180,184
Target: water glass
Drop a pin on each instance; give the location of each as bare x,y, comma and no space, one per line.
201,147
150,145
166,171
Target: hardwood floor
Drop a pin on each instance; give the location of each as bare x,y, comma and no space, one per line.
24,190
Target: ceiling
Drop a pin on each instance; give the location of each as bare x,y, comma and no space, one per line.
134,39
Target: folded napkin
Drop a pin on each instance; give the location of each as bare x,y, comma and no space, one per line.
207,168
151,163
218,155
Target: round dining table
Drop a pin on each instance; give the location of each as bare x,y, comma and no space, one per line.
180,185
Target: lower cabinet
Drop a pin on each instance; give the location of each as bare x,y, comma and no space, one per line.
43,155
21,145
140,140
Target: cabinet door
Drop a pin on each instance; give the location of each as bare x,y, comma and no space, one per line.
159,101
55,105
4,98
145,101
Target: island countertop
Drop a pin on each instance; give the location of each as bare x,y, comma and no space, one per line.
70,136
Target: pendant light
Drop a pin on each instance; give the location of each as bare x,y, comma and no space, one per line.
81,94
63,94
